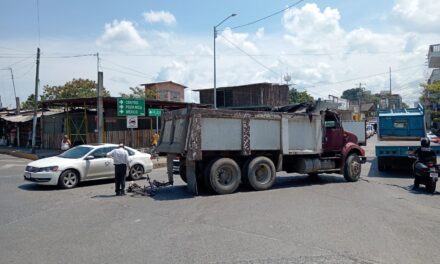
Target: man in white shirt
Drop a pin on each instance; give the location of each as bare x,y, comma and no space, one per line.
121,162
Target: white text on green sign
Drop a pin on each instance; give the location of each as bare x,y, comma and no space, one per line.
131,107
154,112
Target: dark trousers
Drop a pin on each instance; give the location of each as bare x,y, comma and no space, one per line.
120,171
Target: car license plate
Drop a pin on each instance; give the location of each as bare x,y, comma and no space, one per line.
433,175
27,175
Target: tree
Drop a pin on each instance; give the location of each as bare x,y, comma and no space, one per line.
141,93
296,97
431,99
29,103
352,94
366,96
77,88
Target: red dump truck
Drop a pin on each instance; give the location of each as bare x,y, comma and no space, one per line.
221,149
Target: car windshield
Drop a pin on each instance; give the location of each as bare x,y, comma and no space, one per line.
76,152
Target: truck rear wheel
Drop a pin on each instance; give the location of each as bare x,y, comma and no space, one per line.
182,171
223,176
352,168
260,173
381,164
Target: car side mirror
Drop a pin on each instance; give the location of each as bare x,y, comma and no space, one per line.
90,157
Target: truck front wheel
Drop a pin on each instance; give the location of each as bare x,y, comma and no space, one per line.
260,173
223,176
352,168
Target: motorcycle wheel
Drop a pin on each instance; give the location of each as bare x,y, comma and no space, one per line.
430,185
416,182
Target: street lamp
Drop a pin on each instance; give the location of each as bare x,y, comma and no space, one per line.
215,80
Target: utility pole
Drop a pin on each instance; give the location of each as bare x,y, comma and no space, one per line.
360,94
100,123
215,64
17,101
37,82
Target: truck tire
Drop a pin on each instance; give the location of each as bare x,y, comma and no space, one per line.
381,164
352,168
223,176
244,172
260,173
182,171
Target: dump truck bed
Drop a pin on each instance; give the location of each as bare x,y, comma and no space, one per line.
192,131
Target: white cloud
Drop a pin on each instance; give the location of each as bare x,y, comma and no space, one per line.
160,17
233,40
364,40
121,35
417,15
309,27
260,33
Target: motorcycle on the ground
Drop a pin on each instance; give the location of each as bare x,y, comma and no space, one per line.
426,173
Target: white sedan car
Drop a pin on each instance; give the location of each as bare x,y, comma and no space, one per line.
84,163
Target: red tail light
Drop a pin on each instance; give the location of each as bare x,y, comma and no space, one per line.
430,164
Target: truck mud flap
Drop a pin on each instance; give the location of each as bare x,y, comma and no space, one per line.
191,176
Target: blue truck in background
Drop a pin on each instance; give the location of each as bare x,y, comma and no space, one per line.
399,133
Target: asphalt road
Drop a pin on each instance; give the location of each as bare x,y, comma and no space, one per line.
378,219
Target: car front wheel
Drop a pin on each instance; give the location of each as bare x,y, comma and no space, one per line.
68,179
136,172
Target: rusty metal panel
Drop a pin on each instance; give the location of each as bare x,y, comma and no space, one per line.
221,134
246,133
305,136
195,138
265,134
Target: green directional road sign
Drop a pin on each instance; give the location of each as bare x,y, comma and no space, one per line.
131,107
154,111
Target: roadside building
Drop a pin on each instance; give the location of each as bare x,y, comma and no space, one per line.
78,120
257,96
167,91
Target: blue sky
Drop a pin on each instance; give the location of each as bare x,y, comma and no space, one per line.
322,44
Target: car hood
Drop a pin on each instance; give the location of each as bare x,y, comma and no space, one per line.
52,161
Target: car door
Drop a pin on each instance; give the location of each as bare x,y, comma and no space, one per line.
100,166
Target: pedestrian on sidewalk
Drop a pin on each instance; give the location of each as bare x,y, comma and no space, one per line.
121,162
65,143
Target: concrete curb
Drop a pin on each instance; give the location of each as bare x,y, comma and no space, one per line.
19,154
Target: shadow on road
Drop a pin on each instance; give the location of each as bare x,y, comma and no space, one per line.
400,170
305,180
33,187
37,187
181,192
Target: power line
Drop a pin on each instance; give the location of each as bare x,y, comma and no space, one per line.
22,51
250,56
70,56
268,16
20,61
124,72
122,66
364,77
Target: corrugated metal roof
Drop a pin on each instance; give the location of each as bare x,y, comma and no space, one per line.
26,118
